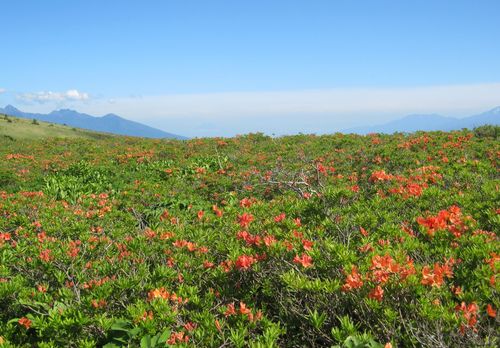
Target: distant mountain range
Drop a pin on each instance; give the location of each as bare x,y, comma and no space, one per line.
431,122
109,123
114,124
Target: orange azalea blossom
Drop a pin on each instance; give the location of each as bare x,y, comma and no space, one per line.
226,265
363,231
145,316
177,337
382,267
307,244
189,326
280,217
230,310
377,293
245,219
269,240
218,325
208,264
493,261
469,312
304,260
491,311
451,220
244,310
380,175
45,255
99,303
366,248
200,214
436,276
246,202
249,238
217,211
161,293
245,261
353,280
24,322
149,233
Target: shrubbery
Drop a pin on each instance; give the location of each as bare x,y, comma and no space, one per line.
340,240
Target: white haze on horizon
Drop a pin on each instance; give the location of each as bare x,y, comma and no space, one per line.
285,112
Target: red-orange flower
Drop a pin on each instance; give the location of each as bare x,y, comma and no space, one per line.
377,293
491,311
24,322
353,280
304,260
230,310
200,214
245,261
245,219
280,217
363,231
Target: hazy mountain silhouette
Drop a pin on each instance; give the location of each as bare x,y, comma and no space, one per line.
431,122
109,123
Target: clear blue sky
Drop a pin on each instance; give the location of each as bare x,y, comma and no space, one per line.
113,52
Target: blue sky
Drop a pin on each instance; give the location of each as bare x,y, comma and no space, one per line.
225,67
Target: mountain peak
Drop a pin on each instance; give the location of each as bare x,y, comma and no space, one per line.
109,123
10,108
111,116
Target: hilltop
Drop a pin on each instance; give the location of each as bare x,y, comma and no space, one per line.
19,128
109,123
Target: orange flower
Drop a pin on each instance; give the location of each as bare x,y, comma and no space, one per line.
177,337
245,219
307,244
269,240
230,310
245,261
24,322
491,311
363,231
217,210
353,280
200,214
189,326
246,203
377,293
437,275
158,293
305,260
380,175
280,217
244,310
45,255
218,325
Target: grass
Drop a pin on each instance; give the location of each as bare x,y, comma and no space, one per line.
19,128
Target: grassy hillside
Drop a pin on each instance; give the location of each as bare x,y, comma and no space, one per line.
19,128
300,241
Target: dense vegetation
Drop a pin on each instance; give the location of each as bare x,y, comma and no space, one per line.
251,241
